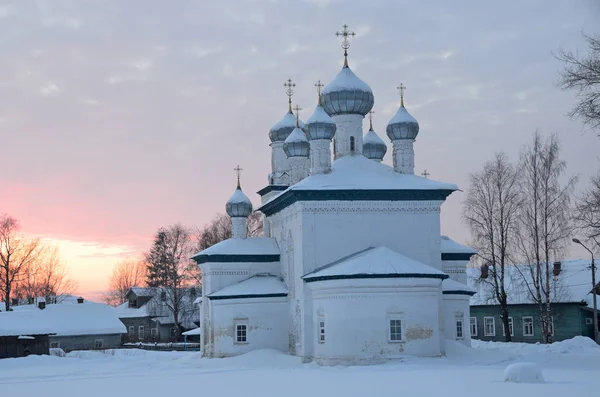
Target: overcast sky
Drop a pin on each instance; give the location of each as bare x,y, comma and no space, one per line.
118,117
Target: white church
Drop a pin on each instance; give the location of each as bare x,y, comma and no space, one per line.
352,268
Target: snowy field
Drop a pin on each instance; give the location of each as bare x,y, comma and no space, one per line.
570,368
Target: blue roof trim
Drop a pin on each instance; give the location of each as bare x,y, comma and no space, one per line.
458,292
225,258
309,279
248,296
291,196
457,256
271,188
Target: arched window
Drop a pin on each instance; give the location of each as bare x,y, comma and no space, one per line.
351,143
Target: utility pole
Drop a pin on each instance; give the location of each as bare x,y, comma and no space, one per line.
596,334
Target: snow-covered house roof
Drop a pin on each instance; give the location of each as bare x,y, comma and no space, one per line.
452,250
72,319
252,249
259,286
18,323
358,178
452,287
572,285
195,331
143,291
374,262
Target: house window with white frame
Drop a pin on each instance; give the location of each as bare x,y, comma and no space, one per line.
489,326
459,329
321,330
473,323
141,332
511,328
98,344
153,332
241,332
395,330
54,345
527,326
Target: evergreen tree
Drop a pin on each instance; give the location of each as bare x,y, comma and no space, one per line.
158,261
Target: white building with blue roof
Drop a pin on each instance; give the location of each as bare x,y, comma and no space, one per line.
352,267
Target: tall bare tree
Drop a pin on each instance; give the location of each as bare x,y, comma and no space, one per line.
17,253
490,210
544,215
587,211
219,229
168,264
126,274
582,74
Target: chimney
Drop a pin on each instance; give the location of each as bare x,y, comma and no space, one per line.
485,269
41,305
80,300
557,268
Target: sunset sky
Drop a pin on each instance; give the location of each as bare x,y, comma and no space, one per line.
118,117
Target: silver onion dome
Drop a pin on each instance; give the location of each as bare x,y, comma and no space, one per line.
347,94
296,144
374,147
402,125
239,205
320,125
280,131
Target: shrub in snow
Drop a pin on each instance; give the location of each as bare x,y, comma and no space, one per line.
57,352
523,373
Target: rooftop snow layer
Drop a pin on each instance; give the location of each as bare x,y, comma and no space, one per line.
372,137
289,120
243,246
346,80
19,323
450,246
375,261
320,116
573,284
452,285
358,172
257,285
297,135
239,197
195,331
402,116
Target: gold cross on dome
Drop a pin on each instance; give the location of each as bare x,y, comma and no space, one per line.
297,109
319,86
238,171
425,174
289,85
401,88
371,113
344,34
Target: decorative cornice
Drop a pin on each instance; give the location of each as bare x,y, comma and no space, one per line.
457,256
226,258
248,296
291,196
271,188
310,279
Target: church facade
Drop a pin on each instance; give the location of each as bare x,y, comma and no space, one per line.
352,267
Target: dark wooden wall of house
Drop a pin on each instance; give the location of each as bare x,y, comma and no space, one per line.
12,346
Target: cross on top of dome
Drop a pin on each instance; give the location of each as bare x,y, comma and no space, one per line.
344,34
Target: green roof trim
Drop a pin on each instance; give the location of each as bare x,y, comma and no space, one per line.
459,292
248,296
291,196
457,256
271,188
309,279
224,258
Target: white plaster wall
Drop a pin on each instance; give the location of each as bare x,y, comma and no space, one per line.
456,307
216,276
267,325
357,313
457,270
335,229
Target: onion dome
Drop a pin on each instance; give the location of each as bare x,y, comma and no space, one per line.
280,131
239,205
320,125
296,144
402,125
347,94
374,147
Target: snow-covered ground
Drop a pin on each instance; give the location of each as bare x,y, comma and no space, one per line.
569,368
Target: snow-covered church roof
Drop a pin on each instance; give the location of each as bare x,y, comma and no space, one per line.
259,286
358,178
452,287
252,249
452,250
374,262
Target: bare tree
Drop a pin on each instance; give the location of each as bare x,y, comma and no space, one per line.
168,264
490,210
587,211
17,253
219,229
583,75
544,215
126,274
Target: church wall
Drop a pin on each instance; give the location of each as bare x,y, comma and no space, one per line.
456,307
457,270
357,314
333,230
265,318
216,276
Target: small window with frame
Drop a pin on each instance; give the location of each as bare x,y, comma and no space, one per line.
395,330
321,330
241,332
473,323
98,344
459,329
54,345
